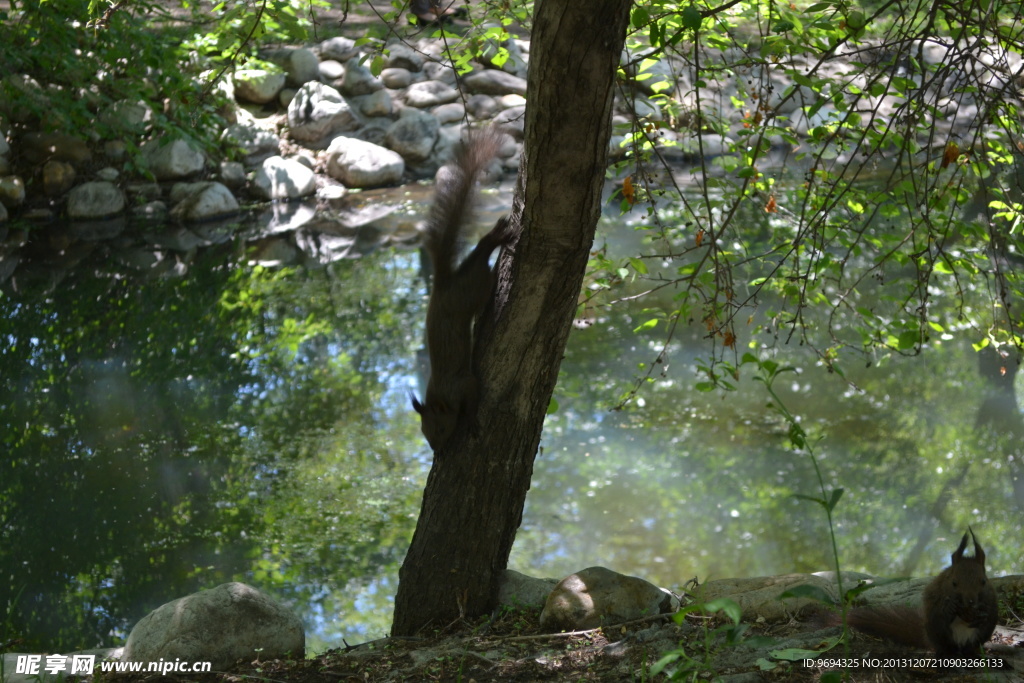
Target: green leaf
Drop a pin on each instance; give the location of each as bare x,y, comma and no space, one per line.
552,406
692,18
638,265
640,17
731,609
908,339
836,495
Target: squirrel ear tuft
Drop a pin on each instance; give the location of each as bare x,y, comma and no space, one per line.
416,405
958,554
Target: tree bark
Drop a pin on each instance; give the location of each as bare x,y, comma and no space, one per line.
476,489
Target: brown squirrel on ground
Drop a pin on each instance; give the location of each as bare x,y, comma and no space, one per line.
460,291
957,616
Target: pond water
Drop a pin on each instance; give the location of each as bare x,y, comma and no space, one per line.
216,419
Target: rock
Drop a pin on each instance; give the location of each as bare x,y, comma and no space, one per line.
430,94
5,147
257,143
318,113
128,117
222,625
144,191
155,210
5,166
482,106
413,136
279,178
3,219
449,113
232,174
374,104
97,199
436,71
493,82
509,101
598,596
58,177
173,160
520,590
401,56
340,48
359,80
115,150
331,69
39,147
396,79
512,120
202,201
300,64
512,61
258,86
12,191
108,173
357,163
286,96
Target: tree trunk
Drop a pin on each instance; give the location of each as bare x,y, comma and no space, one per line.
476,489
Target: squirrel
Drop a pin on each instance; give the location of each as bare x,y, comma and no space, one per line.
460,291
957,616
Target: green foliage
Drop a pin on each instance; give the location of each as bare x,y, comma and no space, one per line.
844,187
681,665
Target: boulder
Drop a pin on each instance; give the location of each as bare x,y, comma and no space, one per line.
58,177
97,199
413,136
222,625
257,143
279,178
12,191
396,78
597,596
358,163
359,80
340,48
494,82
430,94
258,86
203,201
172,160
401,56
317,113
300,64
331,69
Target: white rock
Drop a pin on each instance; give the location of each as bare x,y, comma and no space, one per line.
257,85
413,136
222,625
430,94
176,159
202,201
317,113
279,178
357,163
300,64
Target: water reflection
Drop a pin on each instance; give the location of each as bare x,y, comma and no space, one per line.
230,420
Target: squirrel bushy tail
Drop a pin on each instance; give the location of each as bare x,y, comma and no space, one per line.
460,291
453,199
